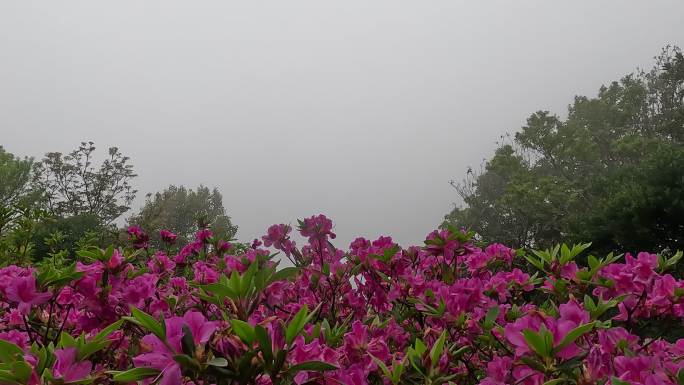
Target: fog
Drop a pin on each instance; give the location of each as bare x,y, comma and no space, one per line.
361,110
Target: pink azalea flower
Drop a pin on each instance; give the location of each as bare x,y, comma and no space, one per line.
139,289
203,235
115,260
160,357
278,238
21,339
167,236
66,367
139,237
160,263
223,246
23,291
318,228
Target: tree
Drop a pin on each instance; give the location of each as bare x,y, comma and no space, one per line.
611,172
15,175
184,211
73,186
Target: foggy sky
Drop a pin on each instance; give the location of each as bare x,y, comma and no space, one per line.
362,110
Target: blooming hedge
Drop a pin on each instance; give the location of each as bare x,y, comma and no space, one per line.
447,312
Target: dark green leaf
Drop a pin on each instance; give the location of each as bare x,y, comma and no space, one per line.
187,341
147,321
536,342
218,361
318,366
243,330
133,375
296,324
264,343
573,335
10,352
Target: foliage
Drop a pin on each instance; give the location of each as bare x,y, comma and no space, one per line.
448,312
16,245
184,211
73,186
53,234
15,175
610,172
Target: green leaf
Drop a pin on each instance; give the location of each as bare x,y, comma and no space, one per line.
104,333
243,330
221,290
536,342
490,317
573,335
565,254
555,381
187,362
296,325
589,303
318,366
535,262
264,343
419,347
381,365
148,322
680,377
247,279
107,255
437,349
617,381
397,370
284,274
98,342
187,341
8,378
593,262
533,363
10,352
22,371
218,361
234,282
133,375
279,360
66,340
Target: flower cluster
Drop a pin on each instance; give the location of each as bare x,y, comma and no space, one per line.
449,311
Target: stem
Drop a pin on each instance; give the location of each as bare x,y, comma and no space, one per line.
28,329
49,321
61,328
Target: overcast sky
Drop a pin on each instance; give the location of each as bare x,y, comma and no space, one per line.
362,110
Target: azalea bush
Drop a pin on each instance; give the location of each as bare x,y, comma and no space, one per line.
450,311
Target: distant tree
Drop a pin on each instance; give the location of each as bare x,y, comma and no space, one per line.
15,175
69,231
610,173
184,211
73,186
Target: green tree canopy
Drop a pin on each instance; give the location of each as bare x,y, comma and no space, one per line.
73,186
184,211
611,172
15,175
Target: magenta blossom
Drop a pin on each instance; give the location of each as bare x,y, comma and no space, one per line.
159,356
115,260
317,228
167,236
67,368
23,291
278,238
203,235
139,237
